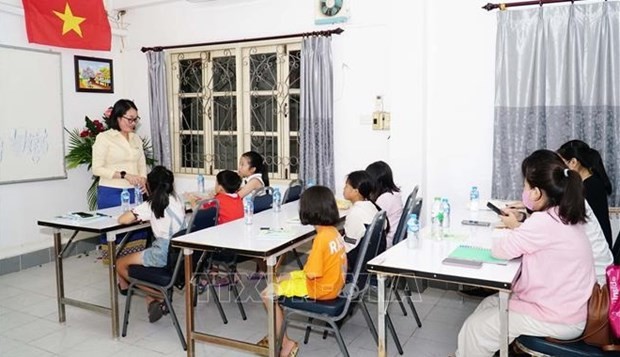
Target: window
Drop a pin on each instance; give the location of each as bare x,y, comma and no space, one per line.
226,101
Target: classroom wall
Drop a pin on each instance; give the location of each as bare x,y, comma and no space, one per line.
21,204
432,62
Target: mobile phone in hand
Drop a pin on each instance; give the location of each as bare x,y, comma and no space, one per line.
469,222
496,209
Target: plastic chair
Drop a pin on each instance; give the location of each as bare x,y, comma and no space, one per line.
163,279
333,312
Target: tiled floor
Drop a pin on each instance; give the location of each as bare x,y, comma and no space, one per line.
29,320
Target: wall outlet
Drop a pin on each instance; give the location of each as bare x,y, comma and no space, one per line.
377,120
385,120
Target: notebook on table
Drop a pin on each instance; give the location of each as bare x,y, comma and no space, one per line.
476,254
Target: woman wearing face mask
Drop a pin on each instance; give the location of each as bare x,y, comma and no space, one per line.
557,271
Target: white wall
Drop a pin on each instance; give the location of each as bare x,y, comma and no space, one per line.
432,61
21,204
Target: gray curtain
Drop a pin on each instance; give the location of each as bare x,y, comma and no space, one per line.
557,78
317,112
160,129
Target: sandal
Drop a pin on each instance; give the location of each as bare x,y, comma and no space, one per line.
220,281
264,342
259,275
155,311
293,352
202,285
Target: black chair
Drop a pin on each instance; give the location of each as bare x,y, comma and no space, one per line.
293,192
262,199
163,279
412,206
204,264
539,346
333,312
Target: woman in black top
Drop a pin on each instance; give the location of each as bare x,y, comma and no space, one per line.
588,163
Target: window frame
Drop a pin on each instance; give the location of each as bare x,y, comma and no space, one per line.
282,106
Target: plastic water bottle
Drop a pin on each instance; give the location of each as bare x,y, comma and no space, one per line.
413,232
137,195
474,199
201,183
445,209
436,219
125,198
277,200
310,183
248,209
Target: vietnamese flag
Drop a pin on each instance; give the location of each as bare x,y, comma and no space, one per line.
68,23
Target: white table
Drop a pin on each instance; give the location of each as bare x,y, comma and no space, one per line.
240,238
101,225
426,263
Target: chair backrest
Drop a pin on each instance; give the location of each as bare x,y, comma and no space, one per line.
417,207
293,192
399,233
263,199
367,249
204,216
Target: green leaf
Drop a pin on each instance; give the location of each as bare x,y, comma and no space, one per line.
91,194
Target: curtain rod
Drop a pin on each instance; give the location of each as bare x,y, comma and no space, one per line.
336,31
504,6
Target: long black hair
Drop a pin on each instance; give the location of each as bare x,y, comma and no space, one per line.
258,163
160,183
545,170
588,158
381,173
119,109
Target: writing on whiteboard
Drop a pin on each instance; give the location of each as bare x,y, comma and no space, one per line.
31,144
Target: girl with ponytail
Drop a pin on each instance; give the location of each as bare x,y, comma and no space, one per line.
166,212
587,162
254,171
550,298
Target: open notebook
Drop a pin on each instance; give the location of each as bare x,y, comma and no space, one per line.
476,254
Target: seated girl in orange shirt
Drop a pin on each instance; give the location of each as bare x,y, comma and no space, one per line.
324,273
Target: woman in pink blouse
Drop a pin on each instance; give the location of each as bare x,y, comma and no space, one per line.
557,272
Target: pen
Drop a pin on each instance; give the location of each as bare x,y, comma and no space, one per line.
103,215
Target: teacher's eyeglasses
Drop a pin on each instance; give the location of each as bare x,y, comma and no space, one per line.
131,120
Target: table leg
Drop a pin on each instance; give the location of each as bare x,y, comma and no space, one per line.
503,323
60,282
111,238
381,306
271,308
189,302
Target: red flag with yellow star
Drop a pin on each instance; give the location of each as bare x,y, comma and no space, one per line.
68,23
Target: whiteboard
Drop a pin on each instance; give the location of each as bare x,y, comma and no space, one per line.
31,122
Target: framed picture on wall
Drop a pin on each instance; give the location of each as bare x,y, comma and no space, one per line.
93,75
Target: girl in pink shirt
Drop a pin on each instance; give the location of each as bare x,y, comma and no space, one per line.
557,272
386,195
